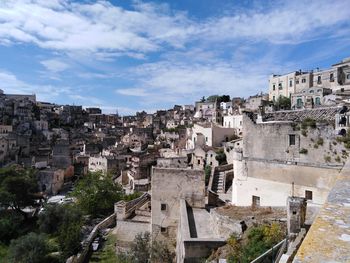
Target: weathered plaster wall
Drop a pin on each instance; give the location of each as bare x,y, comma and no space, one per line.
273,182
169,185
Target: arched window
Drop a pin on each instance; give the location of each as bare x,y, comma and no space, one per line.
318,101
299,102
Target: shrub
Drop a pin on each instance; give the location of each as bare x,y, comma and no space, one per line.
207,171
316,146
29,248
303,151
337,159
304,133
221,157
327,159
308,122
320,141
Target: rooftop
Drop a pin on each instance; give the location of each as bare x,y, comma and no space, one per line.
199,220
318,114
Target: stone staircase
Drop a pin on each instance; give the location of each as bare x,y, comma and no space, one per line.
221,179
218,182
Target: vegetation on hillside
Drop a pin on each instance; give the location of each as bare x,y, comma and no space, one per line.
58,227
256,241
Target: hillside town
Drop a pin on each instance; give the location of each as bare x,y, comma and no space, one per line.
194,183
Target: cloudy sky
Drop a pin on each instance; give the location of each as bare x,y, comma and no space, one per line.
133,55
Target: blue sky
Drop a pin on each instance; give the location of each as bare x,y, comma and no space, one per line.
135,55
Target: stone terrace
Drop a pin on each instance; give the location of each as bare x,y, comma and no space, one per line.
318,114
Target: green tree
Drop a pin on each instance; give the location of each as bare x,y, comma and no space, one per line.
141,249
283,103
221,157
65,223
31,248
69,238
160,253
10,226
54,216
96,194
17,188
235,247
212,98
49,220
224,98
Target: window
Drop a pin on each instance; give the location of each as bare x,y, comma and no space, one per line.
290,83
312,91
297,81
348,76
163,229
308,195
319,90
163,207
273,87
280,86
291,139
318,101
273,98
331,77
206,139
319,81
211,163
199,161
303,80
255,200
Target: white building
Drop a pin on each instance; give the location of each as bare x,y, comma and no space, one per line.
208,134
234,121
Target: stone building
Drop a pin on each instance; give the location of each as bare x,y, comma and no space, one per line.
61,156
107,164
139,173
209,134
234,121
254,102
169,186
208,111
335,78
310,98
291,153
51,180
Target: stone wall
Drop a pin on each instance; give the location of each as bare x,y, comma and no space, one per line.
271,141
190,249
273,182
328,239
271,168
169,185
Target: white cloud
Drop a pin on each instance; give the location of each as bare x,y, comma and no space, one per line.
9,83
286,22
174,82
54,65
72,26
104,28
137,92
